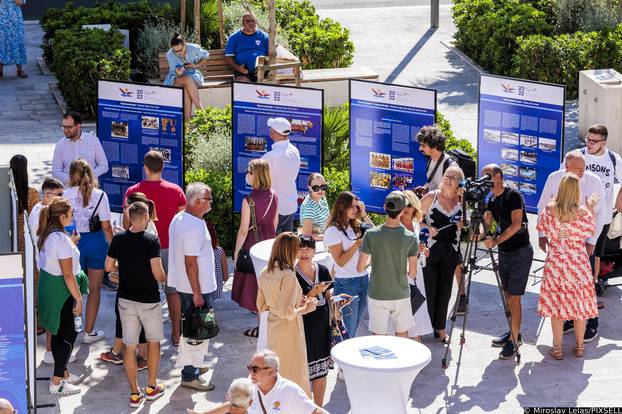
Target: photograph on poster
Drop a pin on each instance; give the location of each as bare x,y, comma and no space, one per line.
379,180
402,181
528,141
403,164
509,169
121,171
547,144
509,154
511,183
527,188
150,122
119,129
166,153
304,163
379,160
255,144
301,126
528,173
509,138
528,157
492,135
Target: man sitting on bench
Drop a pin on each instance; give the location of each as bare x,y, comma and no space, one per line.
244,46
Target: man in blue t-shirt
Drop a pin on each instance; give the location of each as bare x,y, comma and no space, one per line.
244,46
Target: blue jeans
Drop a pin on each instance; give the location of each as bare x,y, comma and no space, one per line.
353,313
190,372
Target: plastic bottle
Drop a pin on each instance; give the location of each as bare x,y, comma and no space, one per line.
77,323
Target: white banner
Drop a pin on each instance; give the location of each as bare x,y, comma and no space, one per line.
140,94
260,94
522,89
393,95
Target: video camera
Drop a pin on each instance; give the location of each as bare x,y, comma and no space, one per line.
475,191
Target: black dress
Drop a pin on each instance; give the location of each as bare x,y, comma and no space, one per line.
316,324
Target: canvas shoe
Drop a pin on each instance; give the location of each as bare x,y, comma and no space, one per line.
198,384
64,388
112,357
136,399
504,339
508,351
153,393
590,335
93,337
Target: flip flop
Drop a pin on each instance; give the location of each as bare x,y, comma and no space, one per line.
252,332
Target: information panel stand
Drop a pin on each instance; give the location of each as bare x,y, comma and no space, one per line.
132,119
521,128
384,153
253,105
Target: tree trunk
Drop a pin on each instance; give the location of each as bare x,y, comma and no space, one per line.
182,15
197,21
221,22
272,30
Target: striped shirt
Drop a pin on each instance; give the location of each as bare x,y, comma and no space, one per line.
67,151
315,211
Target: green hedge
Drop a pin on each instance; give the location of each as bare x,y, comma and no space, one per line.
81,57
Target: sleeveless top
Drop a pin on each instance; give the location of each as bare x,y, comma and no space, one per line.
438,217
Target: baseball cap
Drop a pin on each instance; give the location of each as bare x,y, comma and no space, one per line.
280,125
395,202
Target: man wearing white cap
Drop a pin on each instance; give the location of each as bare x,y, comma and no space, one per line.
284,161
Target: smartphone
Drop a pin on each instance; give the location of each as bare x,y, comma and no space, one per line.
340,297
318,288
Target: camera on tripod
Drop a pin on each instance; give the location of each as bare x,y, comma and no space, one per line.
475,191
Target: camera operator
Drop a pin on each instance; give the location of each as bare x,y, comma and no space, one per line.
507,207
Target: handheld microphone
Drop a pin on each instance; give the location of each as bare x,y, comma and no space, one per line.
424,235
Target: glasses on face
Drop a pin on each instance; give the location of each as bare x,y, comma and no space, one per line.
594,141
249,21
318,188
206,198
255,369
64,127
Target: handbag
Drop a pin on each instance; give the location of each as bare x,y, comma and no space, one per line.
338,332
244,263
416,298
199,324
94,223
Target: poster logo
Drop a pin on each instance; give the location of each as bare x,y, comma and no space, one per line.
378,93
125,92
262,94
507,88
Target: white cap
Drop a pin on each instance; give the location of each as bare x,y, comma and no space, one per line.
280,125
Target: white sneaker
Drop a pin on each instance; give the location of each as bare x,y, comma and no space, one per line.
73,379
64,388
48,358
93,337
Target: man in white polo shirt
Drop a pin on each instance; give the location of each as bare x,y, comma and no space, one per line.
284,161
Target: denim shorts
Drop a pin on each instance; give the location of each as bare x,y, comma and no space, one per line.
514,268
93,249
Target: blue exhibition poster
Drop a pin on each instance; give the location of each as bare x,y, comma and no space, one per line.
384,153
521,128
13,385
133,119
253,105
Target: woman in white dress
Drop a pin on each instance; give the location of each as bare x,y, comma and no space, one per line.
410,219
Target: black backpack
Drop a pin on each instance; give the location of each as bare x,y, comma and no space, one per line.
464,161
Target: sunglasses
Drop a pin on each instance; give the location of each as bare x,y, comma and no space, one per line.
255,369
594,141
318,188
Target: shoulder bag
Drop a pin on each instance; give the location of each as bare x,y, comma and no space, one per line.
244,263
338,332
94,223
199,324
416,298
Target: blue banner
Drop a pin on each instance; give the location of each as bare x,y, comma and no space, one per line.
133,119
521,128
253,105
384,153
13,367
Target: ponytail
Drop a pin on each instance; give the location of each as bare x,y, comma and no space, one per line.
177,39
81,176
49,219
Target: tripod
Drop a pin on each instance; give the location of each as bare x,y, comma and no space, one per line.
469,264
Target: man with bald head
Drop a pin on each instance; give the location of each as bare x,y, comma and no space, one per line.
589,183
243,48
507,207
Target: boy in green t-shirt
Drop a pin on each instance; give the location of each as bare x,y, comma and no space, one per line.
391,247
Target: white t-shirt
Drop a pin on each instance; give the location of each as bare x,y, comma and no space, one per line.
82,214
33,220
58,245
284,162
334,236
435,182
602,166
286,397
188,236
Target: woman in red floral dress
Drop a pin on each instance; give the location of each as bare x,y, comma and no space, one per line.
567,291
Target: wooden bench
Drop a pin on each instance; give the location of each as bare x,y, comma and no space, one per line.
215,69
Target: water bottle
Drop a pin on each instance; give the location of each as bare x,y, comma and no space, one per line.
70,228
77,323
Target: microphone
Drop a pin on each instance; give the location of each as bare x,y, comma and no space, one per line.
424,235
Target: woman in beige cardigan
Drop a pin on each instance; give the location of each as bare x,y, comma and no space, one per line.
280,294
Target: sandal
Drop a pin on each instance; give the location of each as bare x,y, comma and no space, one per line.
252,332
22,74
579,350
444,340
556,352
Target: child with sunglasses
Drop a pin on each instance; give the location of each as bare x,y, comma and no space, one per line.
314,209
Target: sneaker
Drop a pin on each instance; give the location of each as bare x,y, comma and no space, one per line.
503,339
73,379
112,357
136,399
590,335
568,326
48,358
64,388
203,370
107,284
198,384
508,351
462,305
141,363
153,393
93,337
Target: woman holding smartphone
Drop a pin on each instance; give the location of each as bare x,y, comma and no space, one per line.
61,284
315,280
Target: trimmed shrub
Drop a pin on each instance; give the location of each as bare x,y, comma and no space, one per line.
80,58
584,15
152,40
